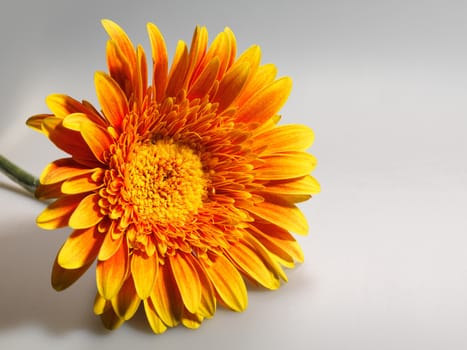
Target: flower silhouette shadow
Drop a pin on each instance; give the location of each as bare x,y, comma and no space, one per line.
26,295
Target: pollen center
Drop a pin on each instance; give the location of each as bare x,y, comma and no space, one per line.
165,182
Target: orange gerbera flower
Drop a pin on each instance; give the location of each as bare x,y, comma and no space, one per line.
179,188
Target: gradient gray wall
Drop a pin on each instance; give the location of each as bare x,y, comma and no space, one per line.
383,84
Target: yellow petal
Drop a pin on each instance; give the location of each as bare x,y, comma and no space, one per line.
100,304
252,56
110,274
187,280
73,121
144,271
63,105
190,320
166,298
301,186
278,241
126,302
266,102
58,213
62,169
207,306
81,184
87,213
97,138
110,245
111,98
63,278
269,259
154,320
160,60
80,248
285,165
284,215
285,138
228,283
246,259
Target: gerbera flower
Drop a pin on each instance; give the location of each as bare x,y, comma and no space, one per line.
180,188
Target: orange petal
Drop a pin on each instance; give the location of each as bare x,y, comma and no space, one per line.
233,46
231,85
110,274
228,283
126,52
178,71
63,278
80,248
62,169
97,138
110,319
141,79
285,138
203,84
119,68
159,59
35,122
246,259
111,98
69,141
48,191
187,280
57,214
126,302
221,47
144,271
154,320
266,102
285,165
262,77
284,215
87,213
166,298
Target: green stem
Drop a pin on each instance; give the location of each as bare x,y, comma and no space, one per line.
18,175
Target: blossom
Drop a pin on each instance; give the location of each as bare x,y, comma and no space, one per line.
182,187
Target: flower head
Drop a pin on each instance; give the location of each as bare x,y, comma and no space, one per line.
180,187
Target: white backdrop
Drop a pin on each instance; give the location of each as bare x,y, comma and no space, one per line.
383,84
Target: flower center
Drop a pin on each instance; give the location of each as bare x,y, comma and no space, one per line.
165,182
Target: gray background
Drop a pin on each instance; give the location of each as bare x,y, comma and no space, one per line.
383,84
